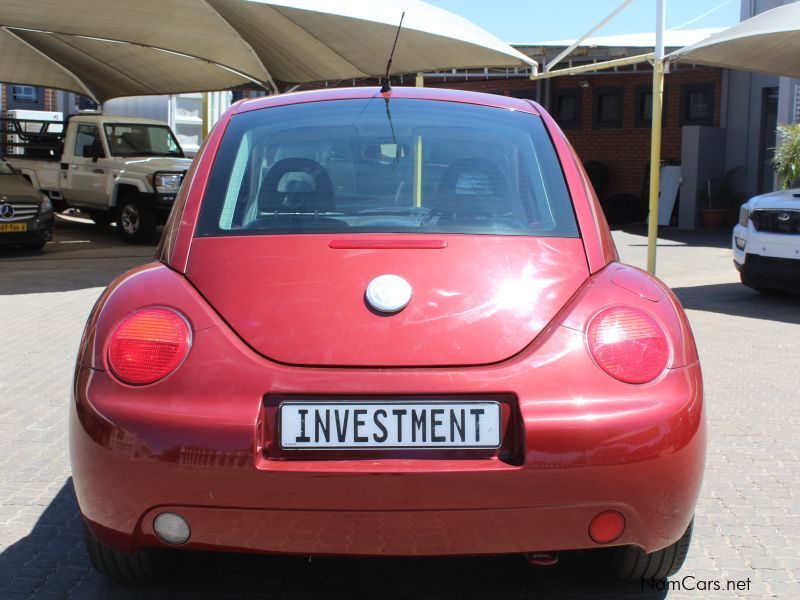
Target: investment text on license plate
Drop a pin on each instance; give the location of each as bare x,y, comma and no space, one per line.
321,425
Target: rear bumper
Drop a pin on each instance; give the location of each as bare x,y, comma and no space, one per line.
588,443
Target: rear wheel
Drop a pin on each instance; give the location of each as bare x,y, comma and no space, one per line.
145,565
136,220
632,563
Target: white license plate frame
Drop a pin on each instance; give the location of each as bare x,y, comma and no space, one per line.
475,431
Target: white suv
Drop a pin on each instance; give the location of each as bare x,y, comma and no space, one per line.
766,242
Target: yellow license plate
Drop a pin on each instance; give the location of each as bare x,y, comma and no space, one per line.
13,227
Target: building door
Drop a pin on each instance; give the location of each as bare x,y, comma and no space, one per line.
769,122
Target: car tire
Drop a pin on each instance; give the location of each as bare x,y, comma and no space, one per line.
33,245
147,564
136,220
634,564
100,217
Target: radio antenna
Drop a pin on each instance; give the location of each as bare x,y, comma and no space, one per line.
386,85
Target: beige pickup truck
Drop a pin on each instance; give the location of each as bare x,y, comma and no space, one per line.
121,169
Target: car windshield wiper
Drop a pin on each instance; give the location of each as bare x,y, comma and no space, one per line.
394,210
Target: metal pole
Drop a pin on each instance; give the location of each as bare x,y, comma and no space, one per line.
549,65
655,137
206,116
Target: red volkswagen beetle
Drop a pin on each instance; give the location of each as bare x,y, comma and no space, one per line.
387,324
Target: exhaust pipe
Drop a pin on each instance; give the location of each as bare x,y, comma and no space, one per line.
542,559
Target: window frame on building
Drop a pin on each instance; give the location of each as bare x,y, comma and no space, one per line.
686,90
34,95
617,122
558,94
639,118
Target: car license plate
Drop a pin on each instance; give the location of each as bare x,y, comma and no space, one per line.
338,425
13,227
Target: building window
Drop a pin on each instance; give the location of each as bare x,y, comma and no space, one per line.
567,108
25,93
83,103
524,93
644,106
697,104
607,110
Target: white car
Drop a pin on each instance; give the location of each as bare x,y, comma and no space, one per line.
766,242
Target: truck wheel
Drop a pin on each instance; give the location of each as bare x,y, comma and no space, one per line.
631,563
135,219
147,564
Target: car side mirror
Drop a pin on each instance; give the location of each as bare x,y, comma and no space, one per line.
94,152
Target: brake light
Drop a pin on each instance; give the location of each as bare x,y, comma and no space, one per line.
148,345
628,344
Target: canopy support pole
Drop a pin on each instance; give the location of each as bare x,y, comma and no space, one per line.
206,127
592,67
549,65
655,137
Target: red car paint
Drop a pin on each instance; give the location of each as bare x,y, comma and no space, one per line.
202,442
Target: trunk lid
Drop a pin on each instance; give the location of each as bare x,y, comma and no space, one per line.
300,299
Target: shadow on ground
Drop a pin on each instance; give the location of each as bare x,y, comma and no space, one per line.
671,236
82,255
740,301
51,563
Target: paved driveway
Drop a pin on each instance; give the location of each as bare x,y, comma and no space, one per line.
748,522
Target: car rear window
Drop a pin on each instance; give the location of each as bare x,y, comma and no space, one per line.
369,165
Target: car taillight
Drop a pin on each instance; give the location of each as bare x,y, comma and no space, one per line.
148,345
628,344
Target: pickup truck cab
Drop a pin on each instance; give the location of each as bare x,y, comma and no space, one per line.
122,169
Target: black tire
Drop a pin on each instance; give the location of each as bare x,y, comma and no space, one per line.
634,564
136,220
33,245
100,217
145,565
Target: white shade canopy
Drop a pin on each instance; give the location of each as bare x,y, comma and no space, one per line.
217,44
767,43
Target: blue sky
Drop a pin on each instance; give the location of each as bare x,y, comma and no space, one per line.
545,20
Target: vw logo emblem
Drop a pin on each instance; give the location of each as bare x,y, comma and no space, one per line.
388,293
6,211
784,217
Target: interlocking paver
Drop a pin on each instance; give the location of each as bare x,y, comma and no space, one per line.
748,518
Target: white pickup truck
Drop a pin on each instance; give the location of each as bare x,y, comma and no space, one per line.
119,169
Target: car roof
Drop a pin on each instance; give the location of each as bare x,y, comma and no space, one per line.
101,118
419,93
